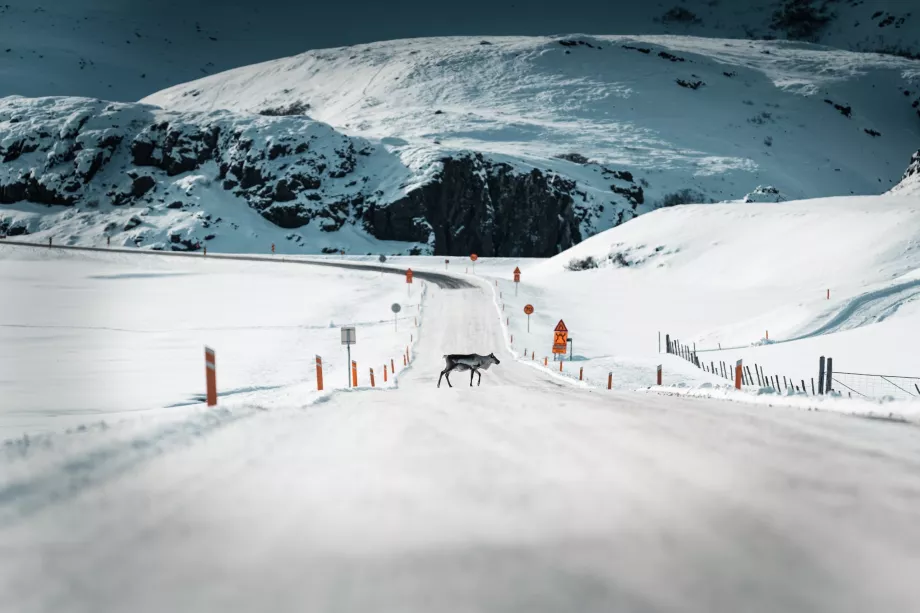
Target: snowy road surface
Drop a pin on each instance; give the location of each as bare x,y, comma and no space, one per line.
525,494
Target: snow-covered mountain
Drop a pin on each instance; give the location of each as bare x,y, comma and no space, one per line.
120,50
503,146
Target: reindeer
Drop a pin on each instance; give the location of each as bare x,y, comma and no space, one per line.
471,362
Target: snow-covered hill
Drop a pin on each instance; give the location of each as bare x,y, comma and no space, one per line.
509,146
124,50
750,278
697,119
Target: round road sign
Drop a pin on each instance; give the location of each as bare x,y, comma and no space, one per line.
396,308
382,258
474,257
528,309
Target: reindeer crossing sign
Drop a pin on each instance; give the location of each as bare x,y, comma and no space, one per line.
560,338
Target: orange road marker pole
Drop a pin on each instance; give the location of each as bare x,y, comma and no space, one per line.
319,374
210,371
354,373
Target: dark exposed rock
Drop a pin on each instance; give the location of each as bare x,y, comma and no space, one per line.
477,206
294,108
287,215
132,223
644,50
576,158
141,185
671,57
913,170
690,84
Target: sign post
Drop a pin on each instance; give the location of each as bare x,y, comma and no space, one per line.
474,257
528,310
560,339
348,339
396,309
517,279
571,348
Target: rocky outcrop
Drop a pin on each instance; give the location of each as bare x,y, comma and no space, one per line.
101,158
477,206
910,182
913,171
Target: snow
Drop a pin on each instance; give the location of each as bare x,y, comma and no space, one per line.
103,337
383,116
727,275
419,498
526,100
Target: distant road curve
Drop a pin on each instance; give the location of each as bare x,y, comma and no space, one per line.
441,280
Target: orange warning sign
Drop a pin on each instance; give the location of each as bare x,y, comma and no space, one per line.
474,257
528,309
560,338
517,274
409,276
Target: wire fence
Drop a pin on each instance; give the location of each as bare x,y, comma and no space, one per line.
864,385
848,384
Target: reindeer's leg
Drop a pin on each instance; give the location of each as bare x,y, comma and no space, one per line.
479,380
439,378
447,376
472,372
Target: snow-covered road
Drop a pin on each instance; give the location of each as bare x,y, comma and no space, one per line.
524,494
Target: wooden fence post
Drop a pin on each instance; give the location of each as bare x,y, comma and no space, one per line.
581,373
372,378
610,380
210,374
738,375
392,366
658,378
821,375
803,387
829,387
384,373
667,342
319,374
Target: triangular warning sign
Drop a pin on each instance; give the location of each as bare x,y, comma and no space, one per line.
560,327
517,270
